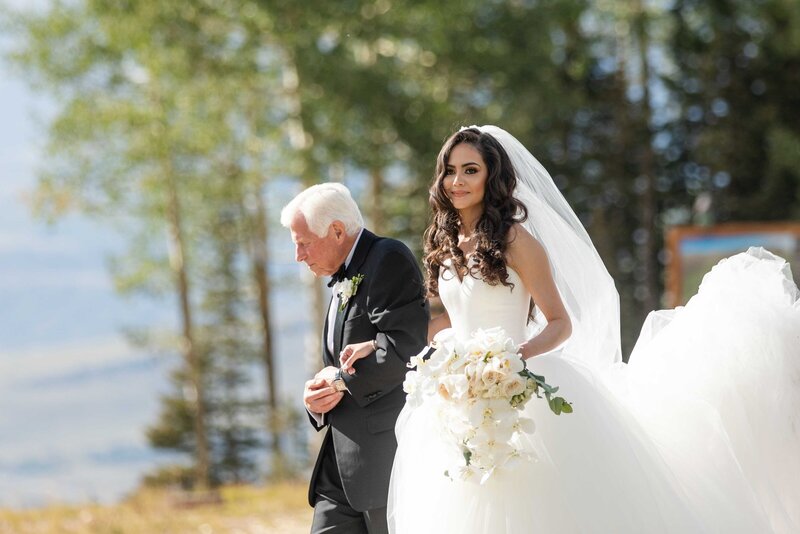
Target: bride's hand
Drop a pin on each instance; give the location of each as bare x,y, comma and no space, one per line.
353,352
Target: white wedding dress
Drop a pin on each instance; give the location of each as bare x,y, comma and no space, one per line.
699,433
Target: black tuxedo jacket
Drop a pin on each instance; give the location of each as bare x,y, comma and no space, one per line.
390,307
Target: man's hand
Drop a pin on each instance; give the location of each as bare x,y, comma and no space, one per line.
327,374
319,396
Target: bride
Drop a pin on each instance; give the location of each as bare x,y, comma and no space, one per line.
700,432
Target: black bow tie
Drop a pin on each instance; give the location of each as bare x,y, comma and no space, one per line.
338,276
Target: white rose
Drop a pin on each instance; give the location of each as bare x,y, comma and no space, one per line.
513,385
491,375
453,387
493,392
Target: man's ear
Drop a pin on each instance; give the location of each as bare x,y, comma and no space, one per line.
338,231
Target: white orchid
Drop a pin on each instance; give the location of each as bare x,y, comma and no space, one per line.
411,386
455,387
508,362
491,445
524,425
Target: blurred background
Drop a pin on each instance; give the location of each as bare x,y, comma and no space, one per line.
154,328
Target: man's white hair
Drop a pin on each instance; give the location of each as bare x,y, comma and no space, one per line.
322,204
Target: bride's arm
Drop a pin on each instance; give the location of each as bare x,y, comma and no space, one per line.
437,324
528,257
356,351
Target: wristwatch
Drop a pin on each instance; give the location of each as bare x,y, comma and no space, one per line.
338,383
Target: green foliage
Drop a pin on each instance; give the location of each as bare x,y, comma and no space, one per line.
177,118
558,405
170,476
738,69
229,343
174,430
155,130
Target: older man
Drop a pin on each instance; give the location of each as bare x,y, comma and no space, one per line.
378,297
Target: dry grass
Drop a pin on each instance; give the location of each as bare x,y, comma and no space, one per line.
279,508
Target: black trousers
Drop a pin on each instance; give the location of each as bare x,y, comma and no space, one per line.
332,513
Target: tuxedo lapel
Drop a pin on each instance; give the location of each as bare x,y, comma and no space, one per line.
365,243
339,327
362,250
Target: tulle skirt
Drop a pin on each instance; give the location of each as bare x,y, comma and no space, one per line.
699,433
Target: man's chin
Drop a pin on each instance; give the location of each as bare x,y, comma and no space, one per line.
318,273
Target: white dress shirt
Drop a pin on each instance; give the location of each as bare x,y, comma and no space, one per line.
335,301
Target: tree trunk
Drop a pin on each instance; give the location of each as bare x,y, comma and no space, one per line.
648,203
177,255
302,142
260,258
178,263
377,217
629,307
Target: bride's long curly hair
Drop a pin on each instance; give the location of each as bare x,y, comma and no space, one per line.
500,212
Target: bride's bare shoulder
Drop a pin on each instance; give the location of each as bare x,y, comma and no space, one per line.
523,249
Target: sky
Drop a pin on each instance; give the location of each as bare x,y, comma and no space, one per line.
75,397
68,431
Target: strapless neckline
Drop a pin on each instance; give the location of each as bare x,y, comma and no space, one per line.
472,303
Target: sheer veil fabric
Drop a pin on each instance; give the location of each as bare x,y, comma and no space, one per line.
586,288
700,432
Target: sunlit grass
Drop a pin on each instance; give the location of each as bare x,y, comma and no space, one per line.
278,508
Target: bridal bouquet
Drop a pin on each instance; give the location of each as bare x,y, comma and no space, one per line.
478,387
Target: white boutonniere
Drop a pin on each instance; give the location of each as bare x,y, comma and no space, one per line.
346,289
